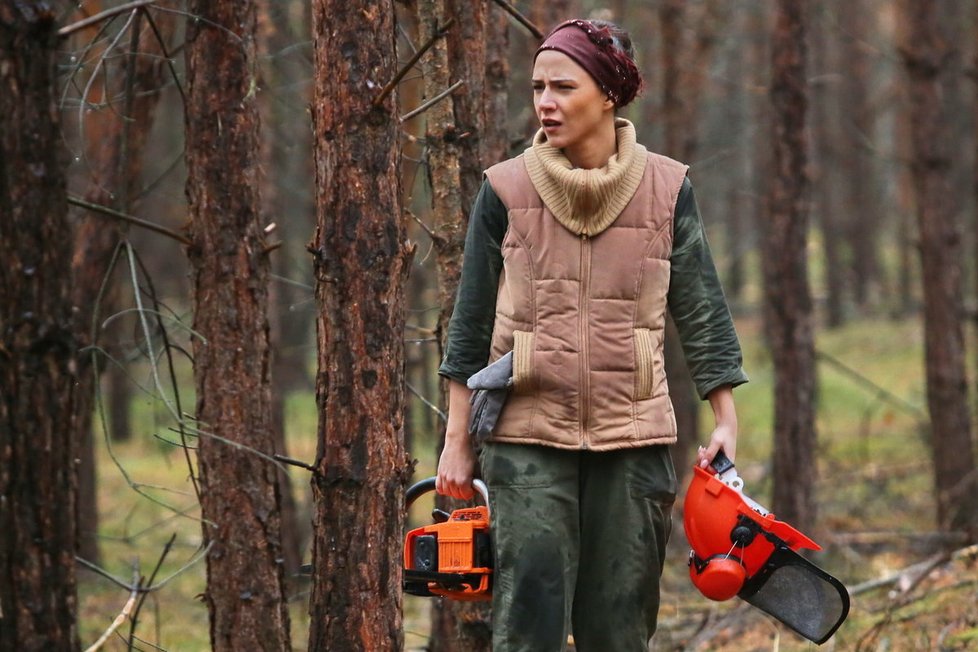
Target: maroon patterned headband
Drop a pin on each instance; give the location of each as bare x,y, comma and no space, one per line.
594,49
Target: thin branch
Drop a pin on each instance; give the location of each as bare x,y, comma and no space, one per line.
427,229
152,577
91,80
440,32
880,392
146,224
437,98
167,55
121,618
173,375
434,408
197,432
67,30
520,18
201,553
295,462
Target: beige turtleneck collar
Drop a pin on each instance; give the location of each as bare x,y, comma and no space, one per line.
587,201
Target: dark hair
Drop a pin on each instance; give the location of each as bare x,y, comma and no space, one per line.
619,47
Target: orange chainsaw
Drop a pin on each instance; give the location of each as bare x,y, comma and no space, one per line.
452,557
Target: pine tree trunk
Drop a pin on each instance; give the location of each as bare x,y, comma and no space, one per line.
287,202
454,130
245,593
114,140
940,255
37,357
864,216
828,178
361,265
788,305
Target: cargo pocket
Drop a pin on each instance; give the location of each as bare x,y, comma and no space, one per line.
522,361
644,372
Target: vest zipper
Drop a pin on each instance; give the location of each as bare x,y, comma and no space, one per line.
585,361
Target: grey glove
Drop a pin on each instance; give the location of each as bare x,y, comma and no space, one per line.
491,386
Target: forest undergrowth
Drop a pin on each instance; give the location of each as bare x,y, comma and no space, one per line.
876,518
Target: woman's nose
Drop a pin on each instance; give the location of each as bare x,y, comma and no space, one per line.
546,100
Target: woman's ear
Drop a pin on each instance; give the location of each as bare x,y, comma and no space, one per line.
609,104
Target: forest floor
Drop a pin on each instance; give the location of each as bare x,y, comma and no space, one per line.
875,501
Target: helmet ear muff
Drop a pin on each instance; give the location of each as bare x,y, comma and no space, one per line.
719,577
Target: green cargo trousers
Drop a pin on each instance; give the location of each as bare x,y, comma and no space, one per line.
580,538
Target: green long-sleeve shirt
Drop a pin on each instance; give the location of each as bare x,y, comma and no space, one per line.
695,298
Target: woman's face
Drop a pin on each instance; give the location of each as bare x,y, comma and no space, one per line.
568,102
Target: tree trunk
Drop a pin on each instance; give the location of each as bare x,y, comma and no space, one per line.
940,257
37,357
864,215
239,492
788,305
114,140
829,212
287,202
454,129
361,265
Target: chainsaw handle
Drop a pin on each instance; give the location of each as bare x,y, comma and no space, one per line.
721,463
428,484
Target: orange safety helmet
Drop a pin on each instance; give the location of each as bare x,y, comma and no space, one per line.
739,548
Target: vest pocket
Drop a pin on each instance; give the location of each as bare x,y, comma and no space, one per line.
522,361
644,362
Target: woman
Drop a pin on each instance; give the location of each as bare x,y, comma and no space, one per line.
574,251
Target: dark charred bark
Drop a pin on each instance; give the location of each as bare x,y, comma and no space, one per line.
38,351
788,304
239,492
955,473
361,264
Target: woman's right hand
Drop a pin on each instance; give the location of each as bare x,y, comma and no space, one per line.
456,467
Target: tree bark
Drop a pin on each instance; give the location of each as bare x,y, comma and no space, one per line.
788,304
924,56
245,593
361,264
38,354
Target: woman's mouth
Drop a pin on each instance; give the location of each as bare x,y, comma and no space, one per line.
549,124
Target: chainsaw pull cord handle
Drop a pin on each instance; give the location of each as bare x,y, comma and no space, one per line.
428,484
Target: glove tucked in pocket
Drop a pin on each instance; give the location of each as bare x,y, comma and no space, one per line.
491,385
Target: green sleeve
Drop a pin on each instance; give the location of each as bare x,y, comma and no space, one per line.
470,328
697,304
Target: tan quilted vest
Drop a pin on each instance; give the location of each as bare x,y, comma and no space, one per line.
585,316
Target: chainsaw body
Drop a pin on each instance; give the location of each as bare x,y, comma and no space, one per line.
453,556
